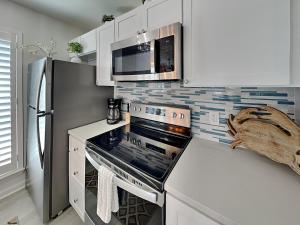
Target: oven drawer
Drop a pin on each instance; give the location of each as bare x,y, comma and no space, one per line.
76,197
76,147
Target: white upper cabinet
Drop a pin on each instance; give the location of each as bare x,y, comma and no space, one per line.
295,65
236,42
88,42
162,12
129,24
105,37
154,14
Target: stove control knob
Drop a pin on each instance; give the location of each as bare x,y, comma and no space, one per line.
139,143
174,115
134,141
134,108
140,109
181,116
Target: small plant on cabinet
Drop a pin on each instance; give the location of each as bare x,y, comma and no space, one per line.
75,47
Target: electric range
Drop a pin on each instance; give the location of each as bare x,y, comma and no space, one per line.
141,154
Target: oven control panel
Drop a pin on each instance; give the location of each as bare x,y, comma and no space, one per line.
171,114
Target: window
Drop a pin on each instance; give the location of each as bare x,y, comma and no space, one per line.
9,69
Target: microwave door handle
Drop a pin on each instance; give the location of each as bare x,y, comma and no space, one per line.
152,57
146,195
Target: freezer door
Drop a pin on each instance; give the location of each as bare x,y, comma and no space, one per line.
39,138
39,85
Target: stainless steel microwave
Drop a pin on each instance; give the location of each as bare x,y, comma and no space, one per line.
152,55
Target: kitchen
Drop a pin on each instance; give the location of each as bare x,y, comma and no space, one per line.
167,112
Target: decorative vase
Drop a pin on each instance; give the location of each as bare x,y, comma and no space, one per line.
76,59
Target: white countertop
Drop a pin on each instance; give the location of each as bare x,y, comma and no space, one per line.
91,130
235,187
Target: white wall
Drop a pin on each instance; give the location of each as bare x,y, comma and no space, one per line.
35,27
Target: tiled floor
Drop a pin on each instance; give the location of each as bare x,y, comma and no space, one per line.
20,204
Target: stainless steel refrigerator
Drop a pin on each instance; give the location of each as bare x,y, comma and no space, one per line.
60,96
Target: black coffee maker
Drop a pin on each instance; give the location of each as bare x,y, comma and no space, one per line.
114,110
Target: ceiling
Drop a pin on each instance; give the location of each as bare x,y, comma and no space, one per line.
86,14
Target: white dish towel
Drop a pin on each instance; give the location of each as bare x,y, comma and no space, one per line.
107,196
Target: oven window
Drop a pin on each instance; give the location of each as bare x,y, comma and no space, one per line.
133,210
133,60
165,55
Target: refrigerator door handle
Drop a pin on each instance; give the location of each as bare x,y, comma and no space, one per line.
40,88
41,155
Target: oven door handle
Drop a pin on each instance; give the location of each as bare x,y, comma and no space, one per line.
146,195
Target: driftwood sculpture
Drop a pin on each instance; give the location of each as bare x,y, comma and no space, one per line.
269,132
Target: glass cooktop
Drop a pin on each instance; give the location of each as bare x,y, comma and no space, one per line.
149,151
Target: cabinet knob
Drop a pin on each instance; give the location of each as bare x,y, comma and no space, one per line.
75,200
144,31
139,32
186,81
75,173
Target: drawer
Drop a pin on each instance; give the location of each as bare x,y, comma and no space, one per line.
77,168
76,147
76,197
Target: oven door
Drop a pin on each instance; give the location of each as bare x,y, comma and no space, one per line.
152,55
137,207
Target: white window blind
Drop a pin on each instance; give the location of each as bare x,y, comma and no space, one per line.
8,153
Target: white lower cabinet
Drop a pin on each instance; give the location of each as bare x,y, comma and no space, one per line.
178,213
76,175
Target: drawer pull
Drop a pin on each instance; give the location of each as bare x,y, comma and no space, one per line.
75,200
75,173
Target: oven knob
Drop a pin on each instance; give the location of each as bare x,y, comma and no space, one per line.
134,108
133,140
173,155
139,143
140,109
174,115
181,116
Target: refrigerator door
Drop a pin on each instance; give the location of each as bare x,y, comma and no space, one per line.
39,135
77,101
38,160
39,85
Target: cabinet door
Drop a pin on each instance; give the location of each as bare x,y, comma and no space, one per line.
236,42
163,12
88,42
129,24
178,213
295,43
76,197
105,37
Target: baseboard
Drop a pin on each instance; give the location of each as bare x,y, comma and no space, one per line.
12,184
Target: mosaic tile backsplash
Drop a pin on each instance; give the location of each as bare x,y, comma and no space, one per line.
204,100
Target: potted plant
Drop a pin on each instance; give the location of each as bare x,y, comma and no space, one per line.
76,48
107,18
